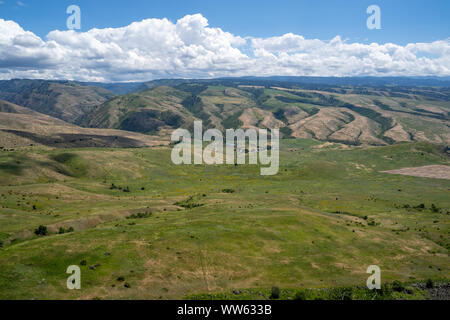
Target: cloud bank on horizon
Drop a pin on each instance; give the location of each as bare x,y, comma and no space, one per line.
158,48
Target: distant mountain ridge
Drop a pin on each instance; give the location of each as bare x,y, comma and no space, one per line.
347,114
359,81
65,100
369,110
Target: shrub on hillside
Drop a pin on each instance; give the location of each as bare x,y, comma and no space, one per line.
275,293
397,286
140,215
300,295
41,231
63,230
189,203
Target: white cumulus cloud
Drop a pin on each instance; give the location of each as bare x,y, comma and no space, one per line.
189,48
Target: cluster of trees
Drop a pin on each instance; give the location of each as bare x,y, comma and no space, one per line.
42,230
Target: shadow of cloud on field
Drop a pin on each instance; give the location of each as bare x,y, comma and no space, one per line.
11,167
17,164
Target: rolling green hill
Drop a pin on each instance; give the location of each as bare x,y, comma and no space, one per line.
140,227
373,113
351,115
364,179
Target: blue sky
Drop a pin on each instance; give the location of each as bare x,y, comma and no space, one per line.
138,40
402,21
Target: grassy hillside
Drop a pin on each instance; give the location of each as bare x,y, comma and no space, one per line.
145,228
23,127
107,197
377,115
369,113
143,112
60,99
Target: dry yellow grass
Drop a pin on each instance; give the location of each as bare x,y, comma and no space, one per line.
433,171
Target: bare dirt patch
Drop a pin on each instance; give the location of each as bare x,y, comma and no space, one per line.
432,171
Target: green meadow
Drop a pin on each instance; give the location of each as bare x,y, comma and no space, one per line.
141,227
